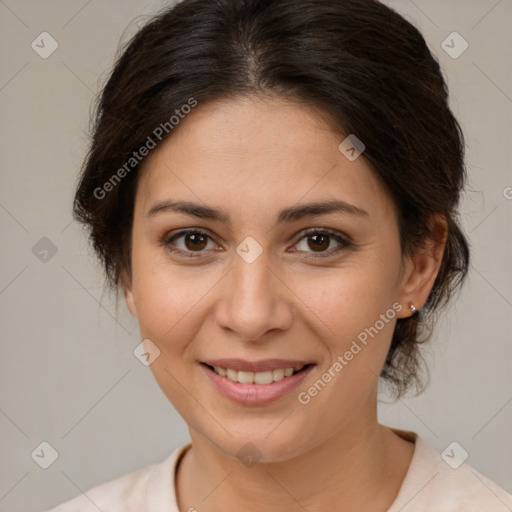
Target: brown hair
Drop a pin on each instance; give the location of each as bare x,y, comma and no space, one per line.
359,60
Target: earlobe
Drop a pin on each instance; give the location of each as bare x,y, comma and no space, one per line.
130,302
128,295
422,268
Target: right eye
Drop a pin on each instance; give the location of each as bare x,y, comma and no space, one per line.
189,243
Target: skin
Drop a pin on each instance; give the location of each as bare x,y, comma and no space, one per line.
252,157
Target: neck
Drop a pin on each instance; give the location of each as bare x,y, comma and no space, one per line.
360,467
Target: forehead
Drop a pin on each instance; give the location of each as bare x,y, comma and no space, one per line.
260,150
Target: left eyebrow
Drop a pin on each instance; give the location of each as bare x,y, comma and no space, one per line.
307,210
291,214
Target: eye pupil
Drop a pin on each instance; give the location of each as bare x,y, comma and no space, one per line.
320,242
195,241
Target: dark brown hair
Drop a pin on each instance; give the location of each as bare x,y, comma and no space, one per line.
358,60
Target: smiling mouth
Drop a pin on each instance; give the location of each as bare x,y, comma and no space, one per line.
262,378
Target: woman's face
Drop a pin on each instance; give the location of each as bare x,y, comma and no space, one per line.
261,282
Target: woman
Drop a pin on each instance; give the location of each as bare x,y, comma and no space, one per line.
274,188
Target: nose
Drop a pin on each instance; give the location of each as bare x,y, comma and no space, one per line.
254,301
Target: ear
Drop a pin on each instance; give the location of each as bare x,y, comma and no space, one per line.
126,283
421,269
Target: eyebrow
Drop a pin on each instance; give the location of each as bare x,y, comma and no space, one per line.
291,214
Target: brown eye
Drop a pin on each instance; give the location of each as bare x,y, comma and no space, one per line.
189,243
195,241
322,243
318,243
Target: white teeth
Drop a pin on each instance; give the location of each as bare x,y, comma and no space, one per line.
220,371
278,374
263,377
244,377
256,377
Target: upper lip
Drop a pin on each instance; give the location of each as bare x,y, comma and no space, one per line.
256,366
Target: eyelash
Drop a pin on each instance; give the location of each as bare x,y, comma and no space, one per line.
344,242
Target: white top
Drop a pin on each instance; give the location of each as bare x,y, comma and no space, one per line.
431,484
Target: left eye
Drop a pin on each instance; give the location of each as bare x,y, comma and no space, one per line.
321,242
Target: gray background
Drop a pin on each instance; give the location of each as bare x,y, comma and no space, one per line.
68,373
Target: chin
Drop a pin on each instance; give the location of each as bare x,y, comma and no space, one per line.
267,445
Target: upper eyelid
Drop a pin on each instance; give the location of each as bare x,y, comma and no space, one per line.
182,232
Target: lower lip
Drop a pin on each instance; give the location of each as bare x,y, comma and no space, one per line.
255,394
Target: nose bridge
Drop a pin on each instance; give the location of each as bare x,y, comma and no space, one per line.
252,301
252,281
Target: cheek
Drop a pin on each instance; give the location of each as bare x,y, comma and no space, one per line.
354,318
353,305
348,298
168,299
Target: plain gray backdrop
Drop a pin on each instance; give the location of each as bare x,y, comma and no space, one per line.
68,373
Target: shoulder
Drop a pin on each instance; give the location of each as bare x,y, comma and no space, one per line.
133,492
446,484
112,496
